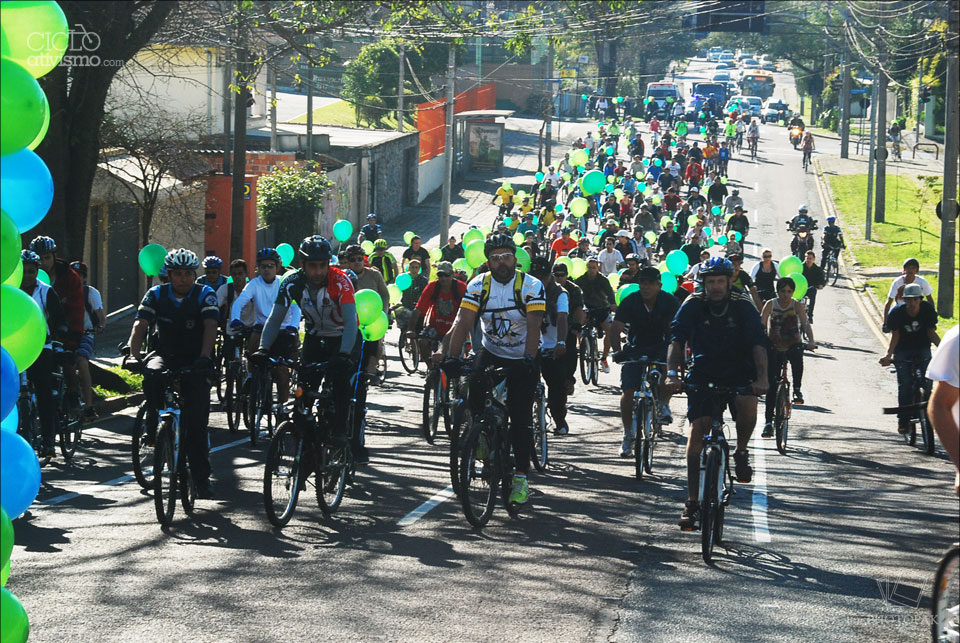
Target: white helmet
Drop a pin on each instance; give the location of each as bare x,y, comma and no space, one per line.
803,208
181,258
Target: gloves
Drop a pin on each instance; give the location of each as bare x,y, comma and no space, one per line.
452,366
341,362
236,323
259,357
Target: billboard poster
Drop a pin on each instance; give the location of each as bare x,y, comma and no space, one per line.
485,141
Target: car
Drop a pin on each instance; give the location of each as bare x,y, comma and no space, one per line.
723,66
721,76
714,53
768,113
755,104
750,64
732,87
768,66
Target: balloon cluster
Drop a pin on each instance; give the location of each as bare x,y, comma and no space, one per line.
26,193
373,321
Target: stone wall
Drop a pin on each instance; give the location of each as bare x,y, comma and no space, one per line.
388,174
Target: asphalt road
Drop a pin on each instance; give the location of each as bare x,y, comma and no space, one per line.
814,548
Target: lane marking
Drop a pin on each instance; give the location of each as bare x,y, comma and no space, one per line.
422,510
756,214
91,490
761,530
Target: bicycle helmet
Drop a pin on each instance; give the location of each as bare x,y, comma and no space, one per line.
371,216
212,261
353,249
315,248
539,266
802,208
79,267
715,266
499,242
42,245
632,257
268,254
380,243
831,219
181,258
29,256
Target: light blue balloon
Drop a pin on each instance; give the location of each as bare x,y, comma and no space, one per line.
26,188
9,383
9,423
19,474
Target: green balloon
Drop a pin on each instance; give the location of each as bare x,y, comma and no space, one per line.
436,255
404,281
394,293
579,206
461,264
6,537
285,250
43,276
723,180
716,209
692,220
668,281
626,290
35,34
658,162
507,221
538,176
579,158
4,574
369,303
375,331
9,246
722,239
475,253
566,261
14,625
518,238
802,285
16,276
789,265
666,219
342,230
43,129
408,236
367,246
472,235
523,259
678,262
594,182
650,236
151,259
23,329
737,236
22,104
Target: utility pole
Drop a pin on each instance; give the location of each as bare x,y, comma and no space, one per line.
309,153
401,55
916,133
948,207
448,148
272,71
868,223
238,196
845,107
548,110
227,105
879,199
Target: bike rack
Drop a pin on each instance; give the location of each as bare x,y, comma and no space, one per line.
936,148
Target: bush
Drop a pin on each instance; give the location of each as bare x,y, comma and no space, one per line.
288,201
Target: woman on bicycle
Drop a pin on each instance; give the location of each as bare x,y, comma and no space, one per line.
785,320
808,146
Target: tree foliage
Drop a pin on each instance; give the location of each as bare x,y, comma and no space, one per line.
289,200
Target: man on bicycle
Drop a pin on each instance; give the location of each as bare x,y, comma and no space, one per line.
729,347
384,261
368,279
438,304
600,301
553,342
913,328
648,313
816,280
832,241
372,231
324,295
186,318
40,373
226,295
262,290
212,267
505,194
511,306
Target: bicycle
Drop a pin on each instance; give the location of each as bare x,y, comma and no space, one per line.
69,423
945,604
589,353
807,154
142,449
784,406
716,480
540,450
29,419
486,464
832,266
218,364
235,375
752,140
646,413
409,351
259,397
920,394
436,404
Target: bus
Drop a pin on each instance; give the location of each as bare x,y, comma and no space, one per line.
757,83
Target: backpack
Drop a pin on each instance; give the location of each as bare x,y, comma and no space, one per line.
517,293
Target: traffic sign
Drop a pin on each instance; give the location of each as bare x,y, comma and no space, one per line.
583,60
858,90
568,72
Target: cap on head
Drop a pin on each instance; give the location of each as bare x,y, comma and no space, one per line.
649,273
912,290
912,261
445,268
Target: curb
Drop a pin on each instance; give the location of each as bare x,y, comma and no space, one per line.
869,307
116,403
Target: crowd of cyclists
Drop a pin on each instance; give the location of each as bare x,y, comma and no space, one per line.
714,323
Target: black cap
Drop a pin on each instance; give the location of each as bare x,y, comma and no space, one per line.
649,273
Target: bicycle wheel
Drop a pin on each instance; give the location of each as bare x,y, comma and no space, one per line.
29,429
165,474
431,407
640,443
478,475
709,504
71,428
444,390
585,360
833,271
186,484
926,431
781,416
230,398
462,421
945,604
594,360
244,395
540,451
142,452
409,354
331,477
281,475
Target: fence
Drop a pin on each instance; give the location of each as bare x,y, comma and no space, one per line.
431,116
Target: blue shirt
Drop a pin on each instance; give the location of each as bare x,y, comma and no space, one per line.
372,232
203,281
179,322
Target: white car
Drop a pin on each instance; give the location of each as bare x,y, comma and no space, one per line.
721,76
750,105
771,108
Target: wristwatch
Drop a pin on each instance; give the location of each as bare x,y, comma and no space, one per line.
561,343
671,373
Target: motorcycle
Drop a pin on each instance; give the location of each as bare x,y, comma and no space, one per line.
795,134
806,222
802,242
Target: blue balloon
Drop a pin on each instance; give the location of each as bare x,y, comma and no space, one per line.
9,383
19,474
26,188
9,423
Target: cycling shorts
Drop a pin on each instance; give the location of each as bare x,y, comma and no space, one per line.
699,402
599,316
85,349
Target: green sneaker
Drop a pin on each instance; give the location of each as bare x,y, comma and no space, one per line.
519,490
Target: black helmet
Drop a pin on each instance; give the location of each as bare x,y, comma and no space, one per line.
499,242
715,266
315,248
539,266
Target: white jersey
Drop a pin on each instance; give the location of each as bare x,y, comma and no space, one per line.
945,365
503,319
609,261
548,336
263,296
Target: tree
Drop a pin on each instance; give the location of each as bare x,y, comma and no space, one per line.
289,200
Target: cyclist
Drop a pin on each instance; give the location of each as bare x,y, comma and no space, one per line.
505,193
816,280
553,342
729,348
438,303
600,301
324,295
68,286
668,241
764,275
263,290
368,279
93,324
739,222
753,133
741,131
417,252
372,231
743,280
808,145
786,322
575,321
510,306
450,252
186,317
212,267
40,373
913,328
944,407
910,269
832,241
226,295
894,135
384,261
648,313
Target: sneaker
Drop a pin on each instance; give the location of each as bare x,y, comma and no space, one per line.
561,429
205,490
767,430
742,467
666,417
626,448
604,366
483,449
361,456
690,516
903,427
520,490
797,397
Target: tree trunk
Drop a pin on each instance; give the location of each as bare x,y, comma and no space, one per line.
239,157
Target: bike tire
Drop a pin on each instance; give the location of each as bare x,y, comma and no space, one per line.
540,450
229,400
833,272
186,485
479,475
462,421
245,392
709,505
281,475
594,360
142,454
431,416
585,361
165,475
71,429
331,477
640,438
409,354
29,429
943,603
926,432
445,403
781,417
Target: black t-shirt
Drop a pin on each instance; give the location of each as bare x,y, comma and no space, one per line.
451,254
913,330
648,329
420,254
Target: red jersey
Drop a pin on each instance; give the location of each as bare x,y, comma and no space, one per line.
440,308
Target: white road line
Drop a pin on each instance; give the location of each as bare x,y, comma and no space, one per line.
423,509
756,214
56,500
761,531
